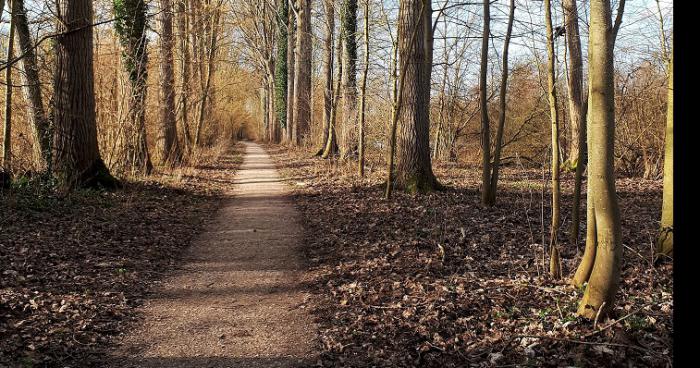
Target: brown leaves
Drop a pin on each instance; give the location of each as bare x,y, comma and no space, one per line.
439,281
74,269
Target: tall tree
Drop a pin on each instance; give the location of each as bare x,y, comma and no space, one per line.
166,141
328,60
302,73
664,243
291,64
604,275
363,98
500,128
31,86
7,126
281,63
77,155
578,107
483,106
555,263
210,64
185,70
130,25
414,171
349,60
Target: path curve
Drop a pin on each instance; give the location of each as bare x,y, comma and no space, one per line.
238,301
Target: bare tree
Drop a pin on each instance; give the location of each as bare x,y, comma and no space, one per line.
604,275
166,141
302,74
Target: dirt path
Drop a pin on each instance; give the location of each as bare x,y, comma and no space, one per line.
237,302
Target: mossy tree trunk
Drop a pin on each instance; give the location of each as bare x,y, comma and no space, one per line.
77,160
130,25
603,282
281,64
348,129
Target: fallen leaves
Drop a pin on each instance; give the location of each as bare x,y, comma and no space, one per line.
439,281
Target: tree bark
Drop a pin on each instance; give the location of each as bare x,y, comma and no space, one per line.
483,103
664,243
414,171
555,262
328,96
577,109
7,127
77,155
210,71
281,62
185,71
166,141
363,98
302,74
349,59
603,283
130,27
291,65
491,198
38,119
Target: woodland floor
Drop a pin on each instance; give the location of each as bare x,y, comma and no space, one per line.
429,281
75,269
440,281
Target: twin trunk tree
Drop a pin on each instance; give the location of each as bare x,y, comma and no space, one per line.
490,169
600,266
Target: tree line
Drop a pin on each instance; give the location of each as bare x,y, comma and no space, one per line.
201,43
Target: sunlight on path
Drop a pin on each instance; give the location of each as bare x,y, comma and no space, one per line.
237,301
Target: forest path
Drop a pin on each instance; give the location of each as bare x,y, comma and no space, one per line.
237,301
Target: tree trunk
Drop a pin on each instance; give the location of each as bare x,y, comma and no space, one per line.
291,65
604,280
363,98
77,155
130,27
664,243
281,75
328,78
577,108
185,71
483,104
166,141
491,198
414,171
302,74
38,119
555,262
349,60
7,127
210,71
331,146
